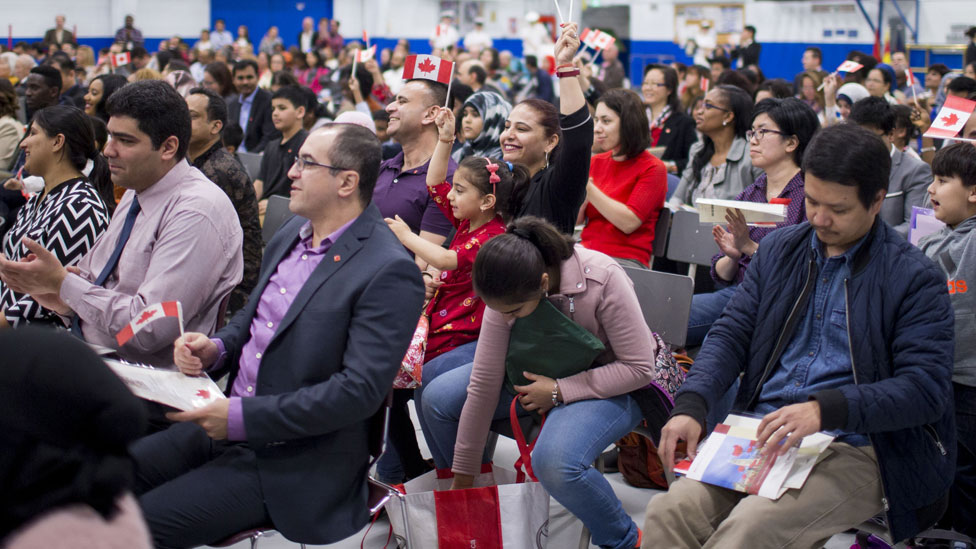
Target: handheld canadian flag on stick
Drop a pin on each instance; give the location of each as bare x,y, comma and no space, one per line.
120,59
910,81
362,56
149,314
366,38
951,118
846,66
703,84
429,67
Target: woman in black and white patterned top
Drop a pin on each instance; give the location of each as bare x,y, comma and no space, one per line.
68,215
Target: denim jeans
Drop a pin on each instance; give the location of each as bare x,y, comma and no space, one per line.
961,514
705,310
459,356
572,438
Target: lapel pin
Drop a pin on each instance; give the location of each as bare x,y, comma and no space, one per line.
336,258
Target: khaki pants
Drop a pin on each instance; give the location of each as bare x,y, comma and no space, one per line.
842,491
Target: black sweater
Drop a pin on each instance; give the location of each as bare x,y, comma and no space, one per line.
557,192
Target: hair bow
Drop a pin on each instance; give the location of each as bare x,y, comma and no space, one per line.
493,178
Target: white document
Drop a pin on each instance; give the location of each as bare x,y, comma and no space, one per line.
712,210
923,224
169,387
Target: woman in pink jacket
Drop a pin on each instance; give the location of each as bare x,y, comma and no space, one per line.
514,273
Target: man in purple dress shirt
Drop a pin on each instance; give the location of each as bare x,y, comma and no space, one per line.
311,358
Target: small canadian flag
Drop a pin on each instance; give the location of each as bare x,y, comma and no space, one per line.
120,59
428,67
849,66
951,118
365,38
149,314
703,83
364,55
909,77
596,39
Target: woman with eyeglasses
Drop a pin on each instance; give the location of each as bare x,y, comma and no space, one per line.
781,130
720,166
881,83
670,127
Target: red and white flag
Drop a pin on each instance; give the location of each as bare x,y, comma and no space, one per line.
586,37
365,38
909,77
849,66
951,118
120,59
364,55
149,314
603,40
703,83
428,67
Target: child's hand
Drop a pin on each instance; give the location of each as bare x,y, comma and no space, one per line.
399,227
13,184
445,124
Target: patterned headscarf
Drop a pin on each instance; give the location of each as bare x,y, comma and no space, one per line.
494,110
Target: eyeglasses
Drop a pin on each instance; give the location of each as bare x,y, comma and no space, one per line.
761,133
301,164
709,105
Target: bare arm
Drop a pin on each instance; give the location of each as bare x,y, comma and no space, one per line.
570,93
437,169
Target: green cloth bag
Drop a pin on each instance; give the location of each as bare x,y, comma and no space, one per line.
548,343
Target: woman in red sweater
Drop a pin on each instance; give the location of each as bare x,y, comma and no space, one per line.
627,184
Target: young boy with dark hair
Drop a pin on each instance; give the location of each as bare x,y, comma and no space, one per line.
287,114
953,195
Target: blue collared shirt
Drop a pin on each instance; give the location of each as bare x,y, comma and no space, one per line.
246,103
819,355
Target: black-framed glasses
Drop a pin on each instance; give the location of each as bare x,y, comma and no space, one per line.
301,164
761,133
710,105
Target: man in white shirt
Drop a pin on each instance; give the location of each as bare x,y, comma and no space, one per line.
308,36
445,34
477,39
220,37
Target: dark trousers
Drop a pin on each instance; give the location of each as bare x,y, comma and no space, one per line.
193,490
961,515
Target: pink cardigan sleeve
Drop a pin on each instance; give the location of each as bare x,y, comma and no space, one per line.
620,317
484,388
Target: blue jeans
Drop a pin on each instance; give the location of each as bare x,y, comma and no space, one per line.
961,514
705,310
573,436
455,358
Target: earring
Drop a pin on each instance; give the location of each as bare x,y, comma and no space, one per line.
725,122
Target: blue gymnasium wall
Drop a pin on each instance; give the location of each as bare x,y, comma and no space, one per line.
259,15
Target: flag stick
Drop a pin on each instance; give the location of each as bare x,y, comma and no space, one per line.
355,57
593,61
824,83
570,14
915,97
179,310
450,80
559,12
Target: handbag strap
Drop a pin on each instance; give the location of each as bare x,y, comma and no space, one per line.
525,450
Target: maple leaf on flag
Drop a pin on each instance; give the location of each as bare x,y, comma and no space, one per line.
203,393
146,315
950,120
426,66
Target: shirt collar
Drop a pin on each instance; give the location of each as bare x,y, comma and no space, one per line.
158,192
847,257
250,98
203,158
305,234
396,163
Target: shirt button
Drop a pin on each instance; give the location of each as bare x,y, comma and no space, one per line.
282,291
304,257
395,179
798,384
250,389
810,353
825,280
586,270
443,312
270,325
579,284
818,314
257,355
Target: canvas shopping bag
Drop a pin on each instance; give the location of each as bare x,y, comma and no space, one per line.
499,512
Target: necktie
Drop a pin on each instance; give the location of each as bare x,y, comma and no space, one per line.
113,260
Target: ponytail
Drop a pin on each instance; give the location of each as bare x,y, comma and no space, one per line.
509,267
101,178
509,190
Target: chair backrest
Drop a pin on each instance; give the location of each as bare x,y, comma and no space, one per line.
662,229
275,215
251,162
690,241
665,300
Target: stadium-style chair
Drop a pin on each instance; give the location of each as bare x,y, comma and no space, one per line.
251,162
662,229
379,492
665,300
878,528
691,241
275,216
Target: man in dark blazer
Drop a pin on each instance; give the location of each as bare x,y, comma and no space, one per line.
747,52
311,358
59,35
308,36
251,108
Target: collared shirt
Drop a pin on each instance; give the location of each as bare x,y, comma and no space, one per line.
819,355
404,193
226,172
796,213
305,42
185,246
287,280
246,103
277,160
221,39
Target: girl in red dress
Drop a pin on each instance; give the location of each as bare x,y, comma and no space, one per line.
485,194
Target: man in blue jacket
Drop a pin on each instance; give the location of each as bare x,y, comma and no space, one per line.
842,326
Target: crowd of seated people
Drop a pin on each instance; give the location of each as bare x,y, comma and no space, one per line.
417,206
